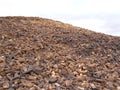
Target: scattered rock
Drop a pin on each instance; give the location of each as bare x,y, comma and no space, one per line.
42,54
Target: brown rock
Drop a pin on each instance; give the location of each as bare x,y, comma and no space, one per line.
43,54
68,83
27,83
53,80
6,85
118,88
32,88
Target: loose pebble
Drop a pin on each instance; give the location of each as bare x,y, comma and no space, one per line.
6,85
43,54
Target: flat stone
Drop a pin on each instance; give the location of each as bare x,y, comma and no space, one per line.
6,85
53,80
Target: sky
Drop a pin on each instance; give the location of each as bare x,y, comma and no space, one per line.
97,15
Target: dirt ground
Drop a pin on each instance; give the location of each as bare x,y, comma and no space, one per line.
42,54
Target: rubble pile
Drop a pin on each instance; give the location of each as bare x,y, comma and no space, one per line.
42,54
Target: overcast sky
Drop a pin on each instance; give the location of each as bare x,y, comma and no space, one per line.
97,15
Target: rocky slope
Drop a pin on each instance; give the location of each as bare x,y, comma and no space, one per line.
42,54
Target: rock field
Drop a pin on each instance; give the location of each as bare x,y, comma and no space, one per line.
43,54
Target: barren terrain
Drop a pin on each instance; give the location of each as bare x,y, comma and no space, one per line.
42,54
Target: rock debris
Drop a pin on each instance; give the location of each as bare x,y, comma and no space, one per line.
42,54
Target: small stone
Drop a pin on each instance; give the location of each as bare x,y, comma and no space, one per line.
0,77
53,80
84,68
68,82
41,84
36,87
106,89
64,72
2,58
57,84
82,71
20,88
32,77
50,87
6,85
24,69
27,83
11,89
75,73
32,88
69,57
57,88
85,84
118,88
53,73
42,89
81,88
49,54
92,86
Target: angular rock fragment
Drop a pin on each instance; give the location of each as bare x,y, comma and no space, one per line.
42,54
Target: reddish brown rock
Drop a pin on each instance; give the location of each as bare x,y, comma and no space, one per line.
42,54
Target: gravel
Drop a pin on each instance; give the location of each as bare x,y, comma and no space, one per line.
42,54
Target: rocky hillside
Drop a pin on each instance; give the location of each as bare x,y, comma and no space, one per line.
42,54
